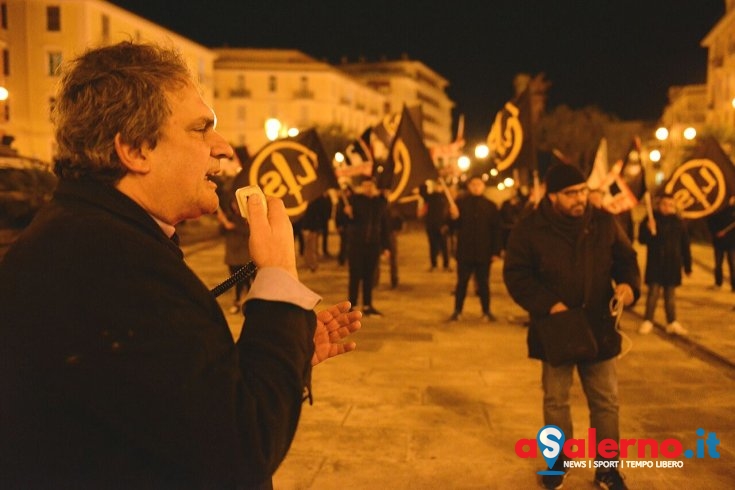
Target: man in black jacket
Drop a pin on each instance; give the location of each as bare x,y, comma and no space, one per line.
369,235
127,376
564,255
478,240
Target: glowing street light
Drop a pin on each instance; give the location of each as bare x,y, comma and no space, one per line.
655,156
662,134
292,132
482,151
690,133
463,163
4,94
494,172
509,182
272,128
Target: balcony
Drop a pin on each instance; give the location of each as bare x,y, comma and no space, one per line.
303,94
239,93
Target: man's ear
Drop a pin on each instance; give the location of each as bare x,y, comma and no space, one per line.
134,159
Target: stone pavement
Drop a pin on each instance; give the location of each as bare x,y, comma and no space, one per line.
425,404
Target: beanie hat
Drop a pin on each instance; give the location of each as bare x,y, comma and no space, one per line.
561,176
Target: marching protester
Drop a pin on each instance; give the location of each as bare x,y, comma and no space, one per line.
667,253
478,241
559,266
435,212
128,376
368,231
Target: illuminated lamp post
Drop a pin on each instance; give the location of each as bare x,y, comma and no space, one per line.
272,129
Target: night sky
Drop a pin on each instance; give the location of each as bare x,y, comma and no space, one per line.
621,56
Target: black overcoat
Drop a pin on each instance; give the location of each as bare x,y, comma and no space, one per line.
118,366
668,251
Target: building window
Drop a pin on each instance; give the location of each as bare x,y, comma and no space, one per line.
240,113
54,63
304,84
272,84
51,107
53,18
6,62
105,26
4,15
6,111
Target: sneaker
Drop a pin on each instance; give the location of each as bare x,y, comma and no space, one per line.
370,311
488,318
645,327
455,317
675,328
553,482
610,480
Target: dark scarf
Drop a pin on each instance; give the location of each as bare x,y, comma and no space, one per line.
568,226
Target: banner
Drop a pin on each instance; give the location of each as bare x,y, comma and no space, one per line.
627,181
358,157
705,183
409,163
296,170
510,139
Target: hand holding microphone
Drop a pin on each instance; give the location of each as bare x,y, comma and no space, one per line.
271,233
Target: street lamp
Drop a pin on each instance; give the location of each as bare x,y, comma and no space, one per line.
481,151
690,133
272,128
463,163
655,156
4,94
662,134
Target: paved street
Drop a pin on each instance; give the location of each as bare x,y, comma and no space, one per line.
426,404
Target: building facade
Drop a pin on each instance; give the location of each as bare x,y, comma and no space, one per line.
253,86
412,83
246,87
36,36
720,44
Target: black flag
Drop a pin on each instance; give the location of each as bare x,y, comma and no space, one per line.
296,170
409,162
510,138
705,183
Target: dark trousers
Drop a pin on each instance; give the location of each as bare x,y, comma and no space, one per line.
654,291
363,259
437,245
392,261
343,246
720,255
481,270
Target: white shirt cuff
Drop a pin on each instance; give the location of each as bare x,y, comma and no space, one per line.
275,284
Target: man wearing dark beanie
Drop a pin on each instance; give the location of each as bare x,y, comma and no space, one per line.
565,256
561,176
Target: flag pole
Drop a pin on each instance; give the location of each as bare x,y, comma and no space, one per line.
447,193
723,231
649,211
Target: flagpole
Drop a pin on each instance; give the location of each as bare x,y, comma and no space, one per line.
723,231
649,210
447,193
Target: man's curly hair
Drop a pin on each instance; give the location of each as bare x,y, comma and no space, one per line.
114,89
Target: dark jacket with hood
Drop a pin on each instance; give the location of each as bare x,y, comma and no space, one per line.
553,258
